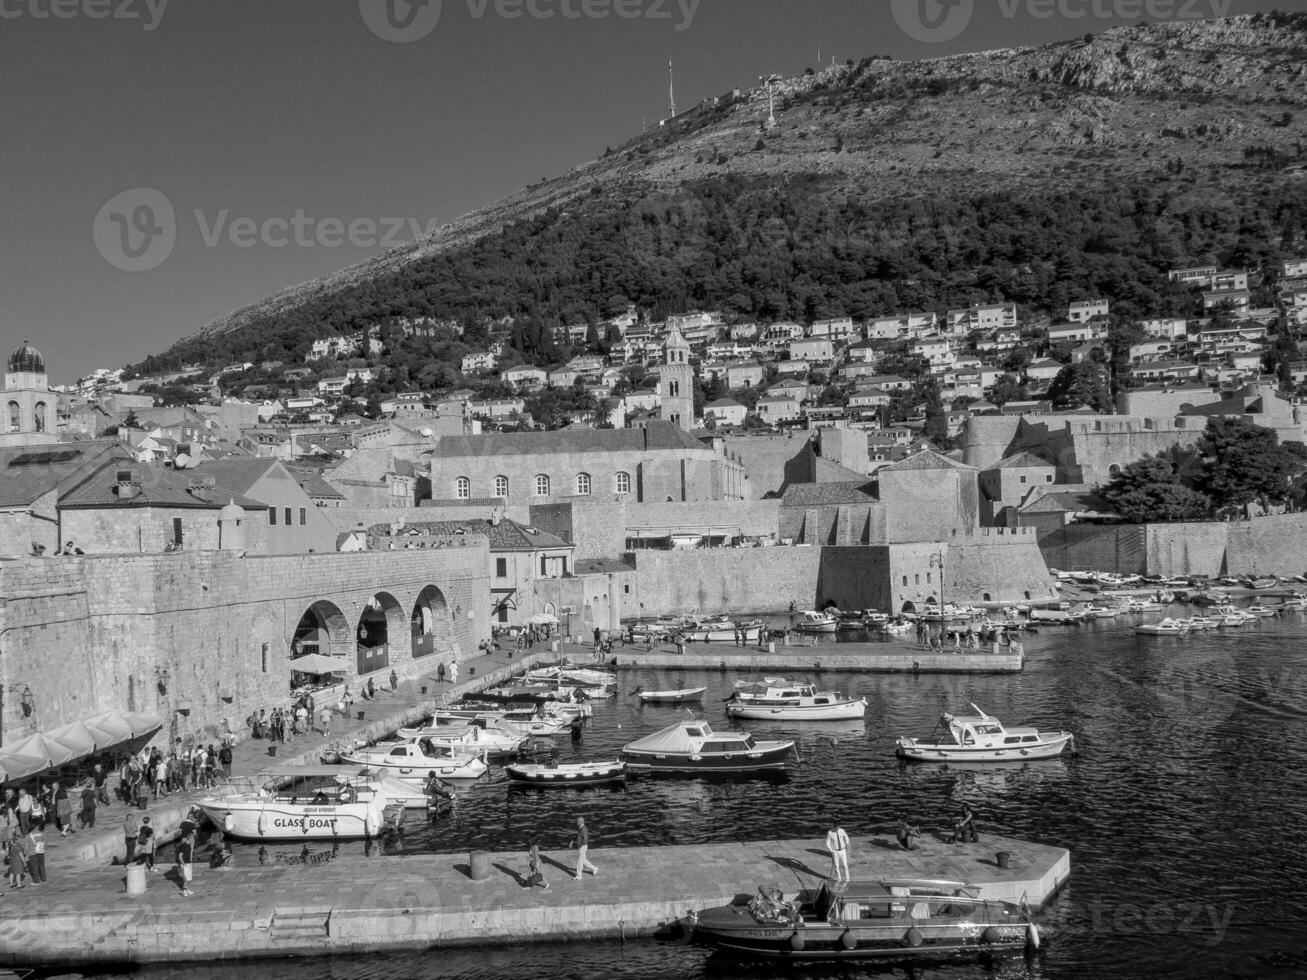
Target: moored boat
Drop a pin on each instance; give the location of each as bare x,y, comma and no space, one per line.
721,629
673,696
812,621
565,775
693,746
416,759
307,803
475,738
776,699
982,738
1166,627
892,919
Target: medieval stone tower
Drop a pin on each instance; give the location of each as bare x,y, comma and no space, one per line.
676,382
31,408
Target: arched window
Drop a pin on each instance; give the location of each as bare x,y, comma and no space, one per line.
40,417
15,417
583,484
462,488
674,388
501,486
542,485
622,482
675,418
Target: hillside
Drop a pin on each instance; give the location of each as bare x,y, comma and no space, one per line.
1039,174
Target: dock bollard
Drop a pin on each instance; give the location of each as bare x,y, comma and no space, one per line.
479,865
136,879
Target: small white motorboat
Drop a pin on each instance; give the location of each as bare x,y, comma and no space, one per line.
982,738
1167,627
1230,616
1295,603
1259,611
416,759
776,699
674,696
721,630
1201,623
897,628
555,775
474,738
693,746
567,675
812,621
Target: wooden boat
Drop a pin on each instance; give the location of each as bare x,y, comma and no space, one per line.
416,759
308,803
812,621
982,738
531,694
567,775
776,699
526,722
676,696
1167,627
693,746
852,920
567,675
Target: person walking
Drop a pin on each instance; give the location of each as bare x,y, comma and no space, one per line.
582,844
535,869
101,780
325,720
35,846
88,806
131,831
145,844
185,859
837,842
453,672
24,811
394,682
63,811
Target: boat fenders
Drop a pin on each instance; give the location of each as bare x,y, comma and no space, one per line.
796,942
912,937
849,940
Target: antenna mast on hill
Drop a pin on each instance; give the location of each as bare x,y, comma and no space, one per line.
769,80
671,91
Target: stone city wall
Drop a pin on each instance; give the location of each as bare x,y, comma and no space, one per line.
204,636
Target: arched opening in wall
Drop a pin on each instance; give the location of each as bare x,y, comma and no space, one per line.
430,625
908,607
1114,471
322,630
381,620
984,597
1027,593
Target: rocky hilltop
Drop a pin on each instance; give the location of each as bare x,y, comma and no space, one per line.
1212,107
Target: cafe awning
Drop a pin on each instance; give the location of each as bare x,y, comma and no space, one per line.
68,743
317,663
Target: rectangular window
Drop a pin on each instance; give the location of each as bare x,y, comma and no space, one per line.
304,517
501,568
264,653
544,567
1023,479
177,531
272,516
288,520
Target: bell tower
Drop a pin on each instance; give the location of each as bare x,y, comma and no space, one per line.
676,382
30,409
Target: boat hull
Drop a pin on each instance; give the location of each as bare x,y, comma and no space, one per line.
1049,748
888,943
772,757
566,777
273,821
844,711
672,697
722,634
418,772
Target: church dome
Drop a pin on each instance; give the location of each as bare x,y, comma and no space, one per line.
26,359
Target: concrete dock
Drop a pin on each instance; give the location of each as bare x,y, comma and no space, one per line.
894,657
357,904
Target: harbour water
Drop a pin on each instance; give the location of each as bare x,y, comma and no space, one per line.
1185,810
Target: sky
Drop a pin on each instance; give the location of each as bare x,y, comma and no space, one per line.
163,162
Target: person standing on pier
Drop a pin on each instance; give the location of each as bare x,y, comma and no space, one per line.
535,869
394,682
130,830
145,843
35,844
185,859
582,843
837,842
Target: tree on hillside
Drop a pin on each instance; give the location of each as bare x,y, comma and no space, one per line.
1007,389
1149,489
1081,384
1242,462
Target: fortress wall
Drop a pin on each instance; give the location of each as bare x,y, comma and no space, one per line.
986,438
1187,549
727,580
92,633
764,459
1089,547
1122,441
1004,564
1275,545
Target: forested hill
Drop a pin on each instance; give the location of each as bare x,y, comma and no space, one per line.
1035,174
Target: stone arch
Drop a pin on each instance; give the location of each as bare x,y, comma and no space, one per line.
380,624
431,626
908,607
321,629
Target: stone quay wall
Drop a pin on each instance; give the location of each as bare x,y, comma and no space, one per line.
199,637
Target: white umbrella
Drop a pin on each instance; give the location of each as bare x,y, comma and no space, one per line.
544,619
317,663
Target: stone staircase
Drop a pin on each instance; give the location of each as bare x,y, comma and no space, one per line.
300,927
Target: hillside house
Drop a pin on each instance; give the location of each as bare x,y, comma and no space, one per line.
775,409
814,350
902,325
744,374
1076,333
1198,275
483,360
725,411
838,330
1086,310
